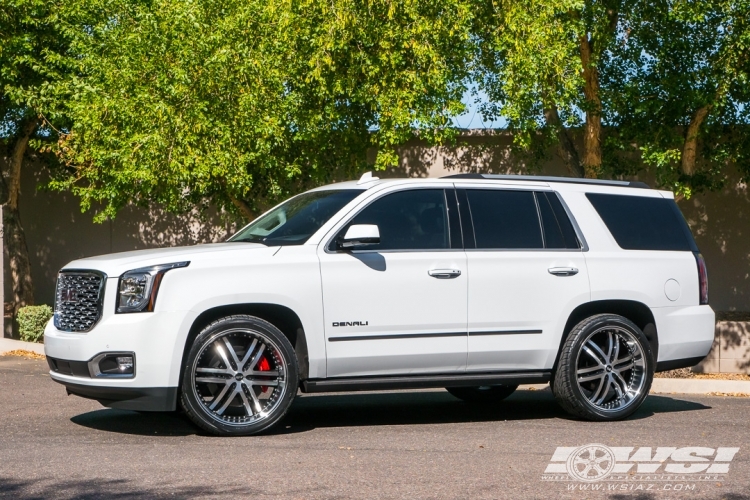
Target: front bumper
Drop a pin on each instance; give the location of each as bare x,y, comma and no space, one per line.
156,341
126,398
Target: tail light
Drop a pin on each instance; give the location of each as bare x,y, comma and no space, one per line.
702,279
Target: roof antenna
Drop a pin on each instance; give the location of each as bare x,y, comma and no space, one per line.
367,177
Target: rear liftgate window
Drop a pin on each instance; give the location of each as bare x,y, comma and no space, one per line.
641,223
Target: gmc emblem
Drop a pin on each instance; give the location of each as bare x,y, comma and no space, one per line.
69,295
350,323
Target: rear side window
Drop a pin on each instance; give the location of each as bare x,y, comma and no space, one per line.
504,219
640,223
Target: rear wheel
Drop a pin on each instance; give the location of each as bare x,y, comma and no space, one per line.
483,394
605,369
240,376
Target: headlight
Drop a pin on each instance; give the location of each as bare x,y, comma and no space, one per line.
137,289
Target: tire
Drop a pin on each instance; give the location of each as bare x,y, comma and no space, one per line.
223,390
605,369
483,394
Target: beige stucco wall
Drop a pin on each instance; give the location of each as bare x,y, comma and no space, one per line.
57,232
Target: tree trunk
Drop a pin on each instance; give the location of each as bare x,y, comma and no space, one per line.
243,207
18,260
565,146
592,137
15,241
690,147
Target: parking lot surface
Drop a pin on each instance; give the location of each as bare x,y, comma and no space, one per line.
422,444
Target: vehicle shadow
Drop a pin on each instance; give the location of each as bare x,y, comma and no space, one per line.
138,423
95,488
310,411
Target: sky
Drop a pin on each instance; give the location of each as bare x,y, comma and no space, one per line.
473,118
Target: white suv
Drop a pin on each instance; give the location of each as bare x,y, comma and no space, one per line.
475,283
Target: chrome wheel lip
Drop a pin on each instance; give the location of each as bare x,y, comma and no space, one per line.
619,377
242,379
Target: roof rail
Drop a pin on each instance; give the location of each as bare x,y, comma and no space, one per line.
542,178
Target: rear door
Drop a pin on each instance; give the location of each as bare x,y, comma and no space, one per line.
398,307
527,273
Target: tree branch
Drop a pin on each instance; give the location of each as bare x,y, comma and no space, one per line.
243,207
26,129
689,149
565,146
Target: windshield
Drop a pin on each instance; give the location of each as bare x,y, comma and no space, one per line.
294,221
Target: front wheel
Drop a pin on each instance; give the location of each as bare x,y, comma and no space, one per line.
482,394
605,369
240,376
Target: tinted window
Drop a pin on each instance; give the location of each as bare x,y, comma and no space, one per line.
294,221
504,219
639,223
408,220
558,231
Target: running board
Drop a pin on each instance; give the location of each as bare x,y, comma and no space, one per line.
345,384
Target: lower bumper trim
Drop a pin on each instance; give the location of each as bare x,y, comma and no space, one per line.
674,364
127,398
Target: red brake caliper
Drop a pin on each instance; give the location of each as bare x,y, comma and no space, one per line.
264,366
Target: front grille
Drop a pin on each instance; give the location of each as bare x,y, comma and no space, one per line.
78,300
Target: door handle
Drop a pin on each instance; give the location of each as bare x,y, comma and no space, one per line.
563,271
444,274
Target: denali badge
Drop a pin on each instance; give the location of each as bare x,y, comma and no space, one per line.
350,323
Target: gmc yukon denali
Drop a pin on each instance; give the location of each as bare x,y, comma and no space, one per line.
475,283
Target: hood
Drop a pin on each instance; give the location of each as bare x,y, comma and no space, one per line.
115,264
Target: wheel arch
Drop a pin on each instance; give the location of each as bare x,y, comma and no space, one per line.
637,312
282,317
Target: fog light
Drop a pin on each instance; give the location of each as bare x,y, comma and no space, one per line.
125,364
113,365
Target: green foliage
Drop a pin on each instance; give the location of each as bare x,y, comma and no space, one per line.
31,322
672,59
242,103
528,61
32,62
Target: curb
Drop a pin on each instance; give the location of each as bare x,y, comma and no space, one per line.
7,345
698,386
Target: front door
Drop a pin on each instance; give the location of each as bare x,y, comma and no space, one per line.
398,307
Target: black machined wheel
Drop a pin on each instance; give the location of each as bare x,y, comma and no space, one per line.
483,394
240,376
605,369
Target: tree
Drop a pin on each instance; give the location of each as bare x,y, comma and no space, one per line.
679,87
539,65
31,47
240,103
666,80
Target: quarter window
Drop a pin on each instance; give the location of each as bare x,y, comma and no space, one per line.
558,231
643,223
408,220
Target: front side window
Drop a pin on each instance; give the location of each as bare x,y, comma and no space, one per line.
407,220
294,221
505,219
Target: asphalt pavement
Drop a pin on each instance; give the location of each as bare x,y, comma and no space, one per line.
418,444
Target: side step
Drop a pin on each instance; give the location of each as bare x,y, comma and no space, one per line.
345,384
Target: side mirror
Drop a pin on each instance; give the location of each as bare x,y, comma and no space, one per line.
360,235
